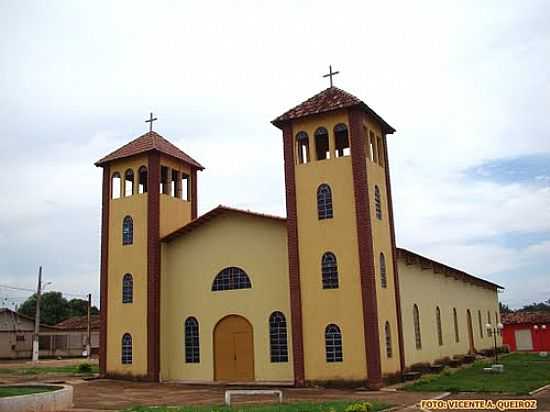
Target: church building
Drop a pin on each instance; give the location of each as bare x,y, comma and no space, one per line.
321,295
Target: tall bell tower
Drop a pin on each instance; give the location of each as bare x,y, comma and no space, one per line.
341,244
149,190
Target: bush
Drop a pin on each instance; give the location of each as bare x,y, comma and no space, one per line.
84,368
359,407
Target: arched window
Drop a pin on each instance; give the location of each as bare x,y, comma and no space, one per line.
115,186
480,323
321,144
127,288
302,144
127,231
278,337
324,202
231,278
378,203
329,271
438,323
129,182
341,139
142,185
387,332
192,347
455,321
383,278
416,322
126,352
333,344
489,331
372,147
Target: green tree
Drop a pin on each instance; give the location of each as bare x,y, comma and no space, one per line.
53,307
504,308
79,307
538,307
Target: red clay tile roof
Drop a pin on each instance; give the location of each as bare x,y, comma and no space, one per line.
444,270
148,142
329,99
214,213
525,317
80,322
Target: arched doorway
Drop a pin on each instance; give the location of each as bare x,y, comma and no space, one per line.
470,331
233,350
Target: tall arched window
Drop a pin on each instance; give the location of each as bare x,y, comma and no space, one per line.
127,231
321,144
302,145
278,337
416,322
127,288
142,185
333,344
192,346
129,182
115,186
489,331
231,278
438,323
329,271
455,321
387,332
383,278
341,140
126,350
324,202
480,324
378,203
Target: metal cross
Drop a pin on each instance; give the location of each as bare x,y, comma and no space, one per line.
150,121
330,74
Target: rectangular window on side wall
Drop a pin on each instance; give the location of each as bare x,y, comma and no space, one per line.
185,187
372,147
175,184
380,146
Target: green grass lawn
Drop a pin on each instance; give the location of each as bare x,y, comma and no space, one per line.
24,390
523,372
334,406
38,370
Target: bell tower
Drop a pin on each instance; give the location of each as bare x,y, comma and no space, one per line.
149,189
341,244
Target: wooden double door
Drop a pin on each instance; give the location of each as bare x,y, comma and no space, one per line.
233,350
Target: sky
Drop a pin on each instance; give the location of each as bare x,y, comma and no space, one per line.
466,85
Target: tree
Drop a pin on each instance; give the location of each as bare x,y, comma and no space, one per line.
538,307
504,308
54,308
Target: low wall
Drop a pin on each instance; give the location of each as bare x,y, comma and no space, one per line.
44,402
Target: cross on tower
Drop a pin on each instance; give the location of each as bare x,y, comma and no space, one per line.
150,121
330,74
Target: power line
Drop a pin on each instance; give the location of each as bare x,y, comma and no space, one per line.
33,291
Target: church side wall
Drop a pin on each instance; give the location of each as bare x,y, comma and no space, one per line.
189,266
429,290
321,307
127,318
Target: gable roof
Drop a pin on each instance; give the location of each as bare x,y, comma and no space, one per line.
328,100
80,322
437,267
150,141
525,317
217,211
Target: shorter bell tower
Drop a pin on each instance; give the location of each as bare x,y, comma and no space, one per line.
342,263
149,189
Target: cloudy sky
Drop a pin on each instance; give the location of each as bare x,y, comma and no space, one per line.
466,85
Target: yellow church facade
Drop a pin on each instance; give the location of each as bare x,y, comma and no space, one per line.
322,295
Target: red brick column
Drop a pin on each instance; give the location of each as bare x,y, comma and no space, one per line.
365,245
104,268
153,269
293,258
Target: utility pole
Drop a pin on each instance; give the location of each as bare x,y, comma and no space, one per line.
35,347
89,340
